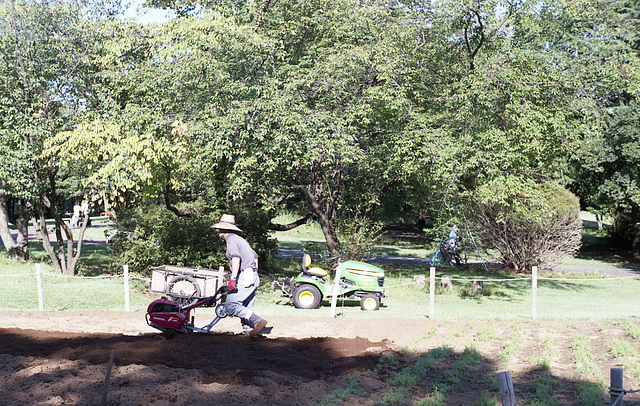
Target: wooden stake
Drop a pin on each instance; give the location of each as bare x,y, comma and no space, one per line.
477,286
107,378
446,282
507,396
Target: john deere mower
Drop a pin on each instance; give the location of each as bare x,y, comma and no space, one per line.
358,280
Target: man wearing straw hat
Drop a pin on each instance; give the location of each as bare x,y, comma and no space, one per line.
244,280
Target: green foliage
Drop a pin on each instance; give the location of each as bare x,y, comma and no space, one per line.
47,71
254,221
358,237
632,329
351,111
160,237
545,387
485,399
436,398
591,393
621,348
623,228
396,396
583,357
386,361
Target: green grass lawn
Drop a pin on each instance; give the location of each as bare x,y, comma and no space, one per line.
503,296
65,293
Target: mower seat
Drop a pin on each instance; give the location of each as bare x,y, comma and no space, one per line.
306,261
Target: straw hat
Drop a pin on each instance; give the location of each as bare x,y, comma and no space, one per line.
227,223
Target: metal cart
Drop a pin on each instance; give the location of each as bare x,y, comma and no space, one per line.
186,284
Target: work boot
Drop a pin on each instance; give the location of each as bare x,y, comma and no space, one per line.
258,325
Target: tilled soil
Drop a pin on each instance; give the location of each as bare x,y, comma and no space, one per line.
61,358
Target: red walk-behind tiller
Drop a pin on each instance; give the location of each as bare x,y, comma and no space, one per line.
170,316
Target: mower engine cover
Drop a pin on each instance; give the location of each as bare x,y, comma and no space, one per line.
366,276
164,313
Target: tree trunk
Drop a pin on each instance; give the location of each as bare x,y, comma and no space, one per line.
22,224
39,223
333,244
600,221
635,247
5,232
73,259
66,257
63,259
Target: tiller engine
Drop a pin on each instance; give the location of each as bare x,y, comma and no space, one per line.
171,316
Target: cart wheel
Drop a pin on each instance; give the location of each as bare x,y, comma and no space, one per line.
370,302
184,289
306,297
221,311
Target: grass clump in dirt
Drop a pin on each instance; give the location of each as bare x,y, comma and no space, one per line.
339,396
436,376
583,357
511,347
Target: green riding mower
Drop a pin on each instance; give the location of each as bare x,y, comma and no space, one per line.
358,280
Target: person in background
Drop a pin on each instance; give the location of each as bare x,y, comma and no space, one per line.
244,280
452,242
77,209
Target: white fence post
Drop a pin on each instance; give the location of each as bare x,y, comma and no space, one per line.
126,288
334,298
534,292
40,288
432,292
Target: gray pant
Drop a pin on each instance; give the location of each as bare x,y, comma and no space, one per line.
240,302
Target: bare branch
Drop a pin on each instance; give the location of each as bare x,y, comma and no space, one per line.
290,226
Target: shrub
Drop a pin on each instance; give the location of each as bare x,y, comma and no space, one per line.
160,237
539,227
622,232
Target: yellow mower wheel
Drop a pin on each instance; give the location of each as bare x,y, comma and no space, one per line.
370,302
306,297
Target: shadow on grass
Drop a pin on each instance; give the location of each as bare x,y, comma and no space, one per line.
598,246
495,285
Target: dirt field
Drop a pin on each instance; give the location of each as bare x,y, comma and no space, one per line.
61,358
